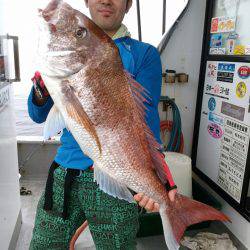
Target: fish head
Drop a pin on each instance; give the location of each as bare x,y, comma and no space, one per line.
69,40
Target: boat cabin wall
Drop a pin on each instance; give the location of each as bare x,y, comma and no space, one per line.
183,54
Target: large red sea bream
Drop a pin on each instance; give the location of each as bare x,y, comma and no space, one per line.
103,107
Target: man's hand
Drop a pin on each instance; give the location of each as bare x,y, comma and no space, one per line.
171,194
146,202
40,90
149,204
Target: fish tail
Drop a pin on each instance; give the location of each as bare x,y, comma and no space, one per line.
183,212
169,236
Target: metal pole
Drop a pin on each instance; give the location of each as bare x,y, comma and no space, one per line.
139,19
164,17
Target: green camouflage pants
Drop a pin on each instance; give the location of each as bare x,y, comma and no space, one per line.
113,223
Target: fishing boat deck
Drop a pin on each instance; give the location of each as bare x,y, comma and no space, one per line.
29,203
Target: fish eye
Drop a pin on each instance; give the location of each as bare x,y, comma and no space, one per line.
81,32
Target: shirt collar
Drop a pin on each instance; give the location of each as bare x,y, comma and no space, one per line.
121,32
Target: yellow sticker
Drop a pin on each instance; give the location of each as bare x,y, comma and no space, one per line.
239,50
241,89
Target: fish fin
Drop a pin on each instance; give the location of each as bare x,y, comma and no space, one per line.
183,212
76,111
169,236
111,186
139,93
54,123
141,97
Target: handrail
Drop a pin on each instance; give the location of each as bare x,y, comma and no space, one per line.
139,19
164,17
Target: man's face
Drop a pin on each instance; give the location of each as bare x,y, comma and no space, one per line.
108,14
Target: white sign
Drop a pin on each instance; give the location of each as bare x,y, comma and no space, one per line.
217,51
224,131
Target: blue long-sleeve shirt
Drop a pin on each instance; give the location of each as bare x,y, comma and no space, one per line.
143,62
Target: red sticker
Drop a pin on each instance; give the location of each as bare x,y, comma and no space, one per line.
214,25
244,72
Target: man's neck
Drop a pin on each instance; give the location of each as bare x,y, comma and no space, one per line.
111,33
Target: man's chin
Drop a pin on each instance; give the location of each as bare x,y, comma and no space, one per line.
105,25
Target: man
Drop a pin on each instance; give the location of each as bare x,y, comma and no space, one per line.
113,223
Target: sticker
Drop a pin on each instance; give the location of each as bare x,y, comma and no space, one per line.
241,89
233,111
225,76
244,72
212,70
211,104
236,135
222,182
239,146
235,172
236,145
237,164
215,118
225,156
216,41
234,181
228,67
226,140
214,25
224,168
239,50
231,42
214,130
226,148
218,91
217,51
237,126
223,24
240,137
4,97
237,154
247,50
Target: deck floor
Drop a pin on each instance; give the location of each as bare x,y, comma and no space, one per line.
85,241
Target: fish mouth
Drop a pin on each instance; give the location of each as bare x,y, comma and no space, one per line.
49,12
51,70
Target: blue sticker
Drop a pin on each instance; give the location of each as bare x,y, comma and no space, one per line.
226,67
215,118
216,41
211,104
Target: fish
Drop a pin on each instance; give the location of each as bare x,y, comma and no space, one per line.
104,108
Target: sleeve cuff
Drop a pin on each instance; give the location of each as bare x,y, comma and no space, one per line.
34,100
169,188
